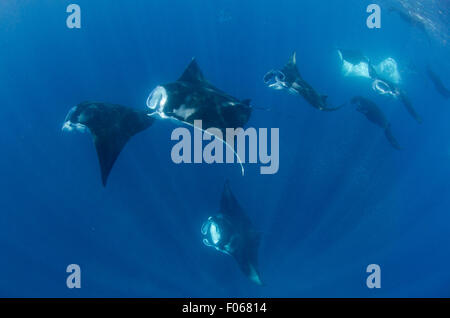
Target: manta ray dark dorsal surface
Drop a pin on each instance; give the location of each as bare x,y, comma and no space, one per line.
290,70
193,101
229,205
192,98
110,125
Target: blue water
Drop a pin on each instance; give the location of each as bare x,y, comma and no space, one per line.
342,199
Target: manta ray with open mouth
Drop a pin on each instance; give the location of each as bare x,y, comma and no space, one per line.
186,100
231,232
289,79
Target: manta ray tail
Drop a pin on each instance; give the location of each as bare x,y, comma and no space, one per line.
110,125
226,144
390,137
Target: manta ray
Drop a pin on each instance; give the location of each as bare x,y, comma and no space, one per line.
375,115
111,127
289,79
232,233
185,101
437,82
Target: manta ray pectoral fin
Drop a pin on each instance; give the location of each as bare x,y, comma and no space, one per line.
247,257
254,275
290,70
110,142
108,149
248,242
230,207
390,137
192,73
111,127
247,102
254,245
228,203
293,59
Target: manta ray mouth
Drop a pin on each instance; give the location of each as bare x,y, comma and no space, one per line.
211,232
275,79
70,126
157,100
383,88
212,236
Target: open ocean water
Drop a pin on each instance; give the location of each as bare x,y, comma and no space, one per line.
342,199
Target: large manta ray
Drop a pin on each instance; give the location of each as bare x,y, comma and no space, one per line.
188,99
110,125
289,79
375,115
193,98
231,232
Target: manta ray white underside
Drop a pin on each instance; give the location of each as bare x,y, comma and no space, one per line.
386,69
